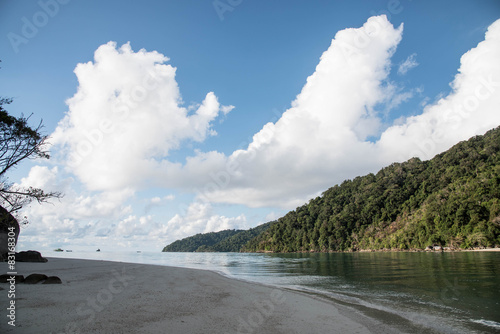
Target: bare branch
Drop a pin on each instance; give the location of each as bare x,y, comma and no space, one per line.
18,141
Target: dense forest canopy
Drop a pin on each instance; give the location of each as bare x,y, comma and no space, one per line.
452,200
223,241
191,244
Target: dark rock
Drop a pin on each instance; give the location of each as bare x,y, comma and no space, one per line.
18,278
52,280
30,256
7,224
34,278
428,248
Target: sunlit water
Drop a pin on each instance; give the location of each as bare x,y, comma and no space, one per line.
444,292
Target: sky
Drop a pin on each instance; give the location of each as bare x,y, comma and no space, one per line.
171,118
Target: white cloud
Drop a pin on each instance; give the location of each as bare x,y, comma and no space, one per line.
73,219
125,117
157,202
321,139
75,205
200,218
408,64
273,216
470,109
103,220
133,226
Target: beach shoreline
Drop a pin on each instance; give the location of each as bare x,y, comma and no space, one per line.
482,250
117,297
387,250
444,250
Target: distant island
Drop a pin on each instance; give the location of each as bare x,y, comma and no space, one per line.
451,201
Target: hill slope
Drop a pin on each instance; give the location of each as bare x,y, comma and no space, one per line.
452,200
191,244
223,241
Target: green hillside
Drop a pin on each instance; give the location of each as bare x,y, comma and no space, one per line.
452,200
191,244
223,241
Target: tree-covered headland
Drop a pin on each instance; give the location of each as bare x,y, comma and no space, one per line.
452,200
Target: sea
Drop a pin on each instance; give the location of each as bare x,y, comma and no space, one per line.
436,292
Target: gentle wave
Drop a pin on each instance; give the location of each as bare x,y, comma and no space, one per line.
488,323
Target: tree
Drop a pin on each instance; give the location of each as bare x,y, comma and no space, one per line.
18,141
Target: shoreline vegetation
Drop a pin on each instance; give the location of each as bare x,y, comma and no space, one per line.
442,250
448,203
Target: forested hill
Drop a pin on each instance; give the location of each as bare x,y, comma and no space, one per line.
223,241
191,244
451,200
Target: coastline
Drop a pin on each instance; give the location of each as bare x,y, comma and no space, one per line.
482,250
386,250
445,250
116,297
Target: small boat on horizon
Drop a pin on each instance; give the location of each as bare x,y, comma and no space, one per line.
98,250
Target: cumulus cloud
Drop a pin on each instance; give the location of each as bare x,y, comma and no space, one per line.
157,202
83,220
408,64
76,204
322,139
126,116
470,109
200,218
75,215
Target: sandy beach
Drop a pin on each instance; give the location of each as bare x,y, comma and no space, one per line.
115,297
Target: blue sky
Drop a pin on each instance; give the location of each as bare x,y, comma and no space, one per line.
255,56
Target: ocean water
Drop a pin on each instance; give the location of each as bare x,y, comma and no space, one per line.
436,292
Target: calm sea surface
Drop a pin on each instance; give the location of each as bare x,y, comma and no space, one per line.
443,292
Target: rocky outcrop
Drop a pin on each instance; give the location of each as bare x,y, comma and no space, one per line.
34,278
30,256
7,224
52,280
30,279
